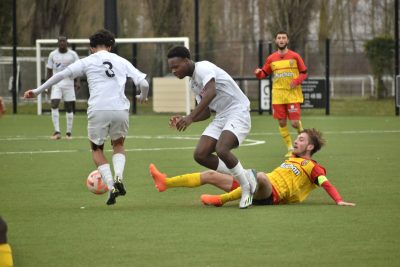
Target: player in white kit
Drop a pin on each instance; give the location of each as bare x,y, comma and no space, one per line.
108,107
216,90
58,60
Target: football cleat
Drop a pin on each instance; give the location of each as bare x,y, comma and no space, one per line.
112,196
68,136
56,136
120,186
159,178
247,197
252,179
212,200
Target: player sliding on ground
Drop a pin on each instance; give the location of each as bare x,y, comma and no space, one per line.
291,182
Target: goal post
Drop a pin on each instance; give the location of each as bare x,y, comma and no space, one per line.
40,42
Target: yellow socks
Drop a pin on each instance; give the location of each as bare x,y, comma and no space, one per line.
300,129
186,180
230,196
286,137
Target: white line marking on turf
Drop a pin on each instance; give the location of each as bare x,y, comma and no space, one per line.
247,142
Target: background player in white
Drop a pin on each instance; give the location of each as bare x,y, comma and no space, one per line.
58,60
108,107
216,90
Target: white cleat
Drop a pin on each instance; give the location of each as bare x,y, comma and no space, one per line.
247,198
252,179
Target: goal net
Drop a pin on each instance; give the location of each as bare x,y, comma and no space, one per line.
148,55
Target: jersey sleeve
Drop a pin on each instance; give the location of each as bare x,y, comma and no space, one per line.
300,64
317,171
135,74
205,74
76,69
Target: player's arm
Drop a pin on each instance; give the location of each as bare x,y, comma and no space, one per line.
144,90
263,72
332,192
302,73
50,82
202,111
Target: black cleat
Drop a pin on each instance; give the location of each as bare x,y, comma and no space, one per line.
112,196
120,186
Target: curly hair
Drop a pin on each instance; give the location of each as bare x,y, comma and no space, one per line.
315,138
102,37
179,51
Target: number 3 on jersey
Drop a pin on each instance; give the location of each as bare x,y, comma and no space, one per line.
109,72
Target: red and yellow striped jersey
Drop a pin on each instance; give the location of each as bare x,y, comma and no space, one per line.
295,178
285,68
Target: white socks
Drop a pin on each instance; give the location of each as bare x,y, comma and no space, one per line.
222,167
106,175
70,120
119,164
55,116
240,175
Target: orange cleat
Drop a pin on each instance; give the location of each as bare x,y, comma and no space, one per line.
159,178
214,200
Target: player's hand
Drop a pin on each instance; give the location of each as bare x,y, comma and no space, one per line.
343,203
173,120
142,99
259,73
183,123
29,94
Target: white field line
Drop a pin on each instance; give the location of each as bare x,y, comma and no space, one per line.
247,142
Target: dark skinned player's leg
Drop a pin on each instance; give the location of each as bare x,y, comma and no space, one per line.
203,153
227,141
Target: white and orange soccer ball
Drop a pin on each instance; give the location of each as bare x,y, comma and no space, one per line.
95,184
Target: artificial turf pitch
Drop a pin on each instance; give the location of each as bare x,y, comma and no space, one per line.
54,220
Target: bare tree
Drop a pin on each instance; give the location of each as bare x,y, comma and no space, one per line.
294,16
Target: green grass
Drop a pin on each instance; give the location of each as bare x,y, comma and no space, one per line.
42,195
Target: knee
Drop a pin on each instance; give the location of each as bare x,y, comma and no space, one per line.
209,177
222,151
55,103
199,157
69,107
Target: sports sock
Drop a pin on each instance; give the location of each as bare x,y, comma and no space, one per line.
118,160
106,175
55,117
286,137
186,180
300,129
230,196
239,174
70,120
222,167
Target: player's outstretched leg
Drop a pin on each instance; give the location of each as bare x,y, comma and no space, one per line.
158,177
120,186
212,200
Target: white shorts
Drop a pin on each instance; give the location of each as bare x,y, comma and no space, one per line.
66,93
104,123
238,123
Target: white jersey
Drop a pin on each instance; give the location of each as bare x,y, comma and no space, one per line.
229,98
106,74
58,61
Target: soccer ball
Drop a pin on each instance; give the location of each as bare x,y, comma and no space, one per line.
95,184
